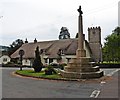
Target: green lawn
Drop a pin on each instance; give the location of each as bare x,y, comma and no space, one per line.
41,74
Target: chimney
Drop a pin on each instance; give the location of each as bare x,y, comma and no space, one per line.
26,41
35,41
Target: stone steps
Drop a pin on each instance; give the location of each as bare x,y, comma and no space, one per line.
80,60
97,74
87,75
83,69
79,65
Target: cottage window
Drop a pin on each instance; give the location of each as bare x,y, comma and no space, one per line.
26,60
45,60
4,59
50,60
68,59
61,52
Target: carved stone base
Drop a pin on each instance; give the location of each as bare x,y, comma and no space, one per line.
87,75
81,68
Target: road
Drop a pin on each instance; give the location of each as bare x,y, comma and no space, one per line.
20,87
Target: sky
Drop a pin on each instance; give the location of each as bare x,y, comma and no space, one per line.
43,19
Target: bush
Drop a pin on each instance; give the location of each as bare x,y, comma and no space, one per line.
37,65
50,70
56,65
61,66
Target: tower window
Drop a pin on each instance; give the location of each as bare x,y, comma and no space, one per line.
93,32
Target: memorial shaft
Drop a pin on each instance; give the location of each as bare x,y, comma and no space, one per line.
80,51
80,33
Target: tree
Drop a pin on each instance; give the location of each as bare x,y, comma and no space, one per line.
15,45
37,64
111,49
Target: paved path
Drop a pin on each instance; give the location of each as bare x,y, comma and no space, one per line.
19,87
110,89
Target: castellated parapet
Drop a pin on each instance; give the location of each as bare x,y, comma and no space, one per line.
94,35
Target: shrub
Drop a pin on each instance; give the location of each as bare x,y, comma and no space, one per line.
50,70
37,64
61,66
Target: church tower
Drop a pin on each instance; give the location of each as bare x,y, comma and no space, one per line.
94,38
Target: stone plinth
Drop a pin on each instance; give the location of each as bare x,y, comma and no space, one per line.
80,53
81,68
75,75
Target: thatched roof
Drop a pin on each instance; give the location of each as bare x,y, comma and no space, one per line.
50,48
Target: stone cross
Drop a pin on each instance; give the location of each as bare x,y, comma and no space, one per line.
79,10
80,51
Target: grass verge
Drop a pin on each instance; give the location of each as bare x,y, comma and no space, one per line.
31,73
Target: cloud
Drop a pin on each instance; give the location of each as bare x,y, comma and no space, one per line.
44,18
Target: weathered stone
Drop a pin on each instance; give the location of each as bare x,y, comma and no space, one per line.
87,75
81,67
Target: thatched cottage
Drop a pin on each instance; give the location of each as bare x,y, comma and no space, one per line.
62,50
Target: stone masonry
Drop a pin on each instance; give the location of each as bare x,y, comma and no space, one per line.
81,67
